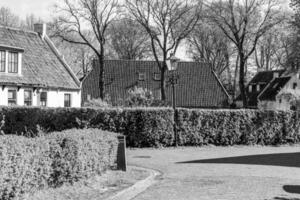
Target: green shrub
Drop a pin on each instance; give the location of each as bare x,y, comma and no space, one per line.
28,164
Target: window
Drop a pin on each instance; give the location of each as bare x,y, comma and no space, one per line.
258,87
12,97
294,86
12,62
43,99
142,76
250,88
280,100
27,97
157,76
2,60
67,102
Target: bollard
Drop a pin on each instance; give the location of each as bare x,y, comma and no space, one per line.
121,156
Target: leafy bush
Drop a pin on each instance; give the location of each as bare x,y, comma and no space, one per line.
28,164
139,97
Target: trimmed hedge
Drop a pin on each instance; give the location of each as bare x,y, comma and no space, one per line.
230,127
152,127
28,164
144,127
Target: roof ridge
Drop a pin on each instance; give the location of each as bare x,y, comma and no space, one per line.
127,60
18,29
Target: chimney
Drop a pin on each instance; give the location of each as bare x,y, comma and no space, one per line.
41,29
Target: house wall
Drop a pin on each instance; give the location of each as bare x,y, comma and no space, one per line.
55,98
282,103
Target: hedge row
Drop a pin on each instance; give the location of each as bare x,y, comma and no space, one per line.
148,127
144,127
29,164
230,127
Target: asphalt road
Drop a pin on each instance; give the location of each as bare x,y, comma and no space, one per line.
219,173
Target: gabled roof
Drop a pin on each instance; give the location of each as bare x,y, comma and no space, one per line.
273,88
262,78
41,63
197,86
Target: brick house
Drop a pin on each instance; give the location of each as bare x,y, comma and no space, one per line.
33,72
197,87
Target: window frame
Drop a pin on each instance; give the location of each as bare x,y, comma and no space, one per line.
157,76
295,85
69,103
9,100
13,62
2,60
31,97
45,101
142,76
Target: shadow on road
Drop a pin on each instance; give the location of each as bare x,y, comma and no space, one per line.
284,198
282,159
292,189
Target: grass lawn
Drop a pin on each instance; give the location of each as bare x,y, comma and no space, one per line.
96,188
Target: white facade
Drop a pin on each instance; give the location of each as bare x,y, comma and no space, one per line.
54,98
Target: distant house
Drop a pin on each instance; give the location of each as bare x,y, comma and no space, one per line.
32,71
197,87
273,90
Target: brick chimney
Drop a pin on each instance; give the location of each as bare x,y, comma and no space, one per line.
41,29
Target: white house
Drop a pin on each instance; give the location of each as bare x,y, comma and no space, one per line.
33,72
281,93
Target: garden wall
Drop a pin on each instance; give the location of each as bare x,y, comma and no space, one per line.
152,127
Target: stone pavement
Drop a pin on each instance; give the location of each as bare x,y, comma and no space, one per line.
219,173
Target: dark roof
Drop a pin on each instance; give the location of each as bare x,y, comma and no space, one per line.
262,78
273,88
197,86
41,64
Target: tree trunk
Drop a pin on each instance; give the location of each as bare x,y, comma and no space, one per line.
235,77
242,79
101,76
163,81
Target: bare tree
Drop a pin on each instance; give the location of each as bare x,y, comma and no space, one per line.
89,20
208,44
128,40
167,23
7,18
244,22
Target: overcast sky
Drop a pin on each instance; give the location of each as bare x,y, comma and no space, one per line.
40,8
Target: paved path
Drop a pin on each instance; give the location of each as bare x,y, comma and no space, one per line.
219,173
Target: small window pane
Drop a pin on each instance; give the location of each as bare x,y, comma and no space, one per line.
43,99
2,61
12,97
67,102
12,62
27,97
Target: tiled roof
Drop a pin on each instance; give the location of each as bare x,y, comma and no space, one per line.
197,86
41,66
262,78
273,88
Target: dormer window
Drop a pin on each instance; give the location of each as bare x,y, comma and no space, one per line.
11,60
157,76
142,76
2,60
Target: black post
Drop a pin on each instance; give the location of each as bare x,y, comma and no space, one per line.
121,154
173,82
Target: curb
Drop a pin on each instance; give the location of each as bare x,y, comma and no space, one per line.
138,187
